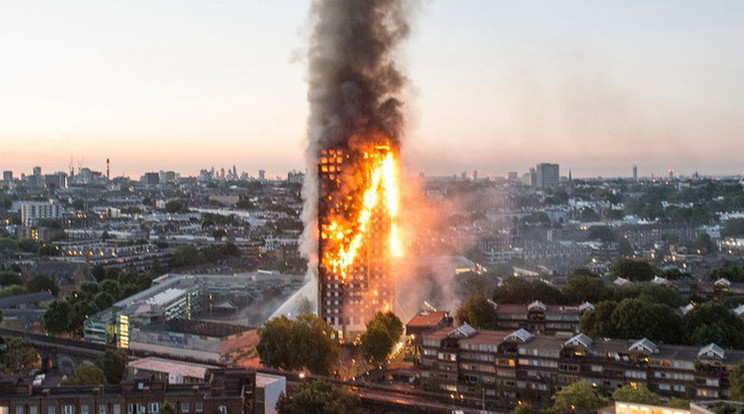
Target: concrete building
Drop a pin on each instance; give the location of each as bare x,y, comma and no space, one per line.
348,301
548,175
7,176
33,211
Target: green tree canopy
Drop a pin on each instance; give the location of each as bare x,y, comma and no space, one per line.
733,227
378,341
652,293
42,283
736,383
87,375
713,322
283,344
8,278
114,365
635,393
320,397
167,408
578,397
519,290
478,312
57,317
584,287
634,318
17,356
634,270
597,322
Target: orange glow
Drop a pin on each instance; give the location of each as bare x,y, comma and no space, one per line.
381,193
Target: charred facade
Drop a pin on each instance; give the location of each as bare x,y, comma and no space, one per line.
348,298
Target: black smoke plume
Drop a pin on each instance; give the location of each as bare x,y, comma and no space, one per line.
354,86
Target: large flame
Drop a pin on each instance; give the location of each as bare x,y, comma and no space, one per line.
381,192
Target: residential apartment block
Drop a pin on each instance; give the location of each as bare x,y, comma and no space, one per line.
516,366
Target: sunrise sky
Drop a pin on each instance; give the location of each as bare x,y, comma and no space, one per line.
495,85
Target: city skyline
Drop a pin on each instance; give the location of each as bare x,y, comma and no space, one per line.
183,86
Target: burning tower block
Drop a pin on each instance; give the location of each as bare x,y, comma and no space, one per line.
358,243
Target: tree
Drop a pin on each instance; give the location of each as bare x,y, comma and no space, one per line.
103,300
479,313
519,290
378,341
635,393
733,227
736,383
114,365
578,397
8,278
634,318
525,409
17,356
601,233
713,322
283,342
597,322
42,283
167,408
652,293
635,270
175,206
320,397
57,317
376,344
87,375
586,288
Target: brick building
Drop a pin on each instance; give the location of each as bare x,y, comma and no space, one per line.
514,366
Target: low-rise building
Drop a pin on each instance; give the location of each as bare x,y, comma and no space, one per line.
224,391
521,366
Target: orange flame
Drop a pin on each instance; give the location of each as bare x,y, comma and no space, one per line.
381,191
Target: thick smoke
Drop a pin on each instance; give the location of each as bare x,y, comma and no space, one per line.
354,87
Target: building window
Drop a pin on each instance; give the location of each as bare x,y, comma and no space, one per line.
222,409
199,406
33,410
84,409
116,409
101,408
141,409
154,407
20,410
130,408
185,407
68,409
52,409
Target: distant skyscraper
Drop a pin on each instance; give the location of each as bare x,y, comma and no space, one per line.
548,175
475,175
635,172
261,175
513,176
37,171
7,176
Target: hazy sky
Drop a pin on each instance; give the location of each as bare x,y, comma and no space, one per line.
495,85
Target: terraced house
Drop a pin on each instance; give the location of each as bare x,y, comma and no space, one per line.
518,365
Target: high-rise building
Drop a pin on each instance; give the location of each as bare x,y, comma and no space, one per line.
33,211
548,175
348,302
37,171
635,172
261,175
7,176
513,176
